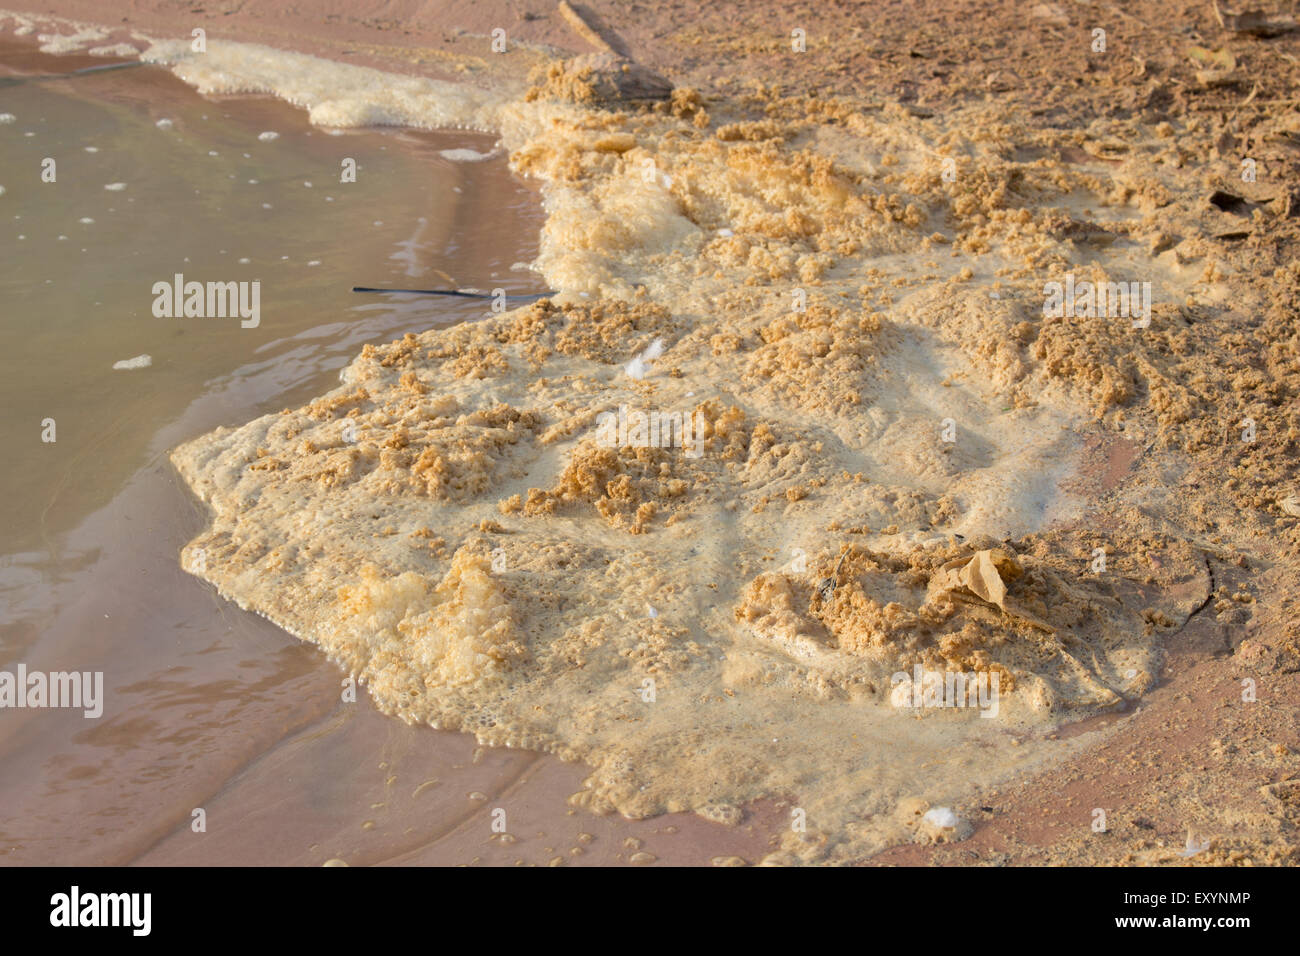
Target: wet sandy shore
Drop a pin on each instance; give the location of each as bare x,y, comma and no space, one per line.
323,780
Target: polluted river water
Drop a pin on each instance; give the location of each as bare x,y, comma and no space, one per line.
715,622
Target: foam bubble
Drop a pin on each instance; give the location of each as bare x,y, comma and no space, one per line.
464,155
116,49
334,94
58,43
942,817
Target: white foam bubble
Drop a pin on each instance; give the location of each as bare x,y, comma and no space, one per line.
56,43
941,817
116,49
334,94
140,361
465,155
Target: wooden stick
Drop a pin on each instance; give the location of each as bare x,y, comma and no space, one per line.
586,26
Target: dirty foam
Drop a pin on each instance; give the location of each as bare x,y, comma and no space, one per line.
885,419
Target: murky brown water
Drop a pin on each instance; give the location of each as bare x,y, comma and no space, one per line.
208,706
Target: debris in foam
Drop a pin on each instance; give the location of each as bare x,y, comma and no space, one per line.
941,817
942,825
639,366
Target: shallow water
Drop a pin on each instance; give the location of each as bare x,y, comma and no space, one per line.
207,198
